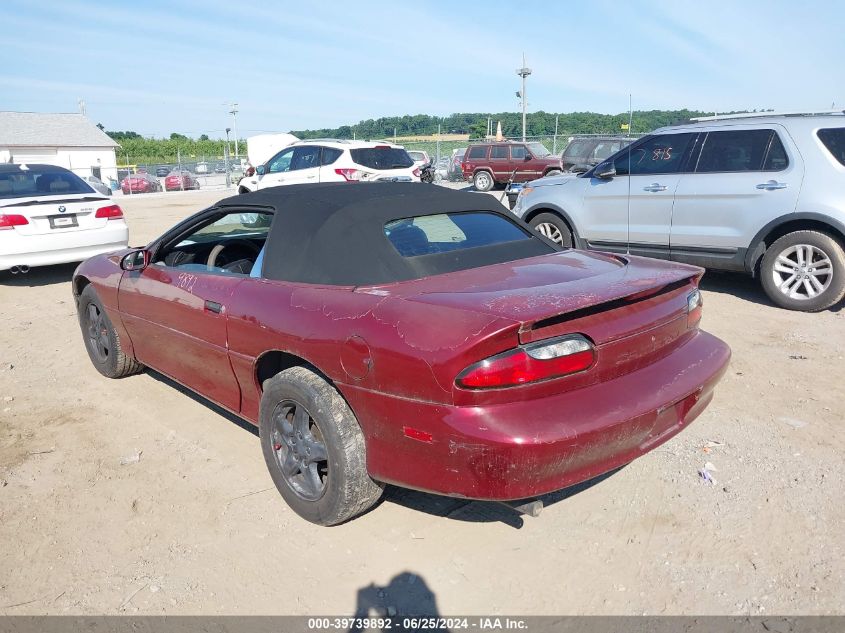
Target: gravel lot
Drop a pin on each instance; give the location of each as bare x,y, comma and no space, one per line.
195,526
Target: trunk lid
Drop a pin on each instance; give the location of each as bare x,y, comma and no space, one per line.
607,297
57,214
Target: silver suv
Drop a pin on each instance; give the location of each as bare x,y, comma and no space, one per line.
764,194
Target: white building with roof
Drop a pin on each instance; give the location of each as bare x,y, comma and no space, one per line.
65,139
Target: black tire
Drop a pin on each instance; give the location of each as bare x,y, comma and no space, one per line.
554,228
785,265
483,181
101,341
303,416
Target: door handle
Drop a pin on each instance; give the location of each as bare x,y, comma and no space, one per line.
654,187
213,306
310,177
771,184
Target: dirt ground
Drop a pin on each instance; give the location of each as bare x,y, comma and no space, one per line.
195,525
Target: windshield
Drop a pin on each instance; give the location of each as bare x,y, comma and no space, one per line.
382,157
539,150
41,181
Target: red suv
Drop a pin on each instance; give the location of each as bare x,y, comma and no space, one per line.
487,164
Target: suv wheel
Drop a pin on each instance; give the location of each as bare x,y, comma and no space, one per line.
554,228
804,270
483,181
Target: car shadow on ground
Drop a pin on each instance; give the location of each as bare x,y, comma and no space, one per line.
436,505
231,417
479,511
41,276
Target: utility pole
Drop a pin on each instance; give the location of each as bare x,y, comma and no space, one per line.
234,111
554,146
523,72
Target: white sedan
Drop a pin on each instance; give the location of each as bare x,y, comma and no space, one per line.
49,215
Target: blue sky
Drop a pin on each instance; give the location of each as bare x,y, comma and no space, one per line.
160,67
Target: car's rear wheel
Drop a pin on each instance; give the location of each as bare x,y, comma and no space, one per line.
101,339
554,228
804,270
483,181
314,448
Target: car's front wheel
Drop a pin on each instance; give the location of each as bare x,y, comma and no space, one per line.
804,270
554,228
483,181
101,339
314,448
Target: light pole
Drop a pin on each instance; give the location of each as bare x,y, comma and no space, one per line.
523,72
227,165
234,111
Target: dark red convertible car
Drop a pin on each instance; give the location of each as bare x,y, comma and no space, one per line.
407,334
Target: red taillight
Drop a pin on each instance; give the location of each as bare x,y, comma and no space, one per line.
111,212
533,363
11,221
350,175
417,172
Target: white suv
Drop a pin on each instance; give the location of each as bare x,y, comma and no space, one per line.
763,194
333,160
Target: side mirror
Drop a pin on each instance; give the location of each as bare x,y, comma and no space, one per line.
527,157
136,260
604,171
259,171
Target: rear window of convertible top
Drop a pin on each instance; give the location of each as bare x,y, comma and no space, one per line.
447,232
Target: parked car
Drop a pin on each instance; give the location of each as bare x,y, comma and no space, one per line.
97,185
488,164
420,158
442,168
474,358
163,170
142,182
331,160
455,173
760,194
583,153
49,215
180,181
201,168
220,168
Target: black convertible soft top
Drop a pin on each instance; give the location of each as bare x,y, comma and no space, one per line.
333,233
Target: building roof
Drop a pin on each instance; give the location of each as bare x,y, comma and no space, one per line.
38,129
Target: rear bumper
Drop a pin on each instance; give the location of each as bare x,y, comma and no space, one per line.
60,248
524,449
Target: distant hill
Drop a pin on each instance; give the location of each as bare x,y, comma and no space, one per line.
475,124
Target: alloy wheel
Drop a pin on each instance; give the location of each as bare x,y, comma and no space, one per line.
300,450
802,271
550,231
98,334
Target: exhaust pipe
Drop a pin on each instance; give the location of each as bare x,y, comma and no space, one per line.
23,269
14,270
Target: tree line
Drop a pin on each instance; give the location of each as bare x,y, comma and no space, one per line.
135,148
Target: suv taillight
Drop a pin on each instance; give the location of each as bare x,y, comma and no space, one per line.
11,221
417,172
540,361
350,175
111,212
